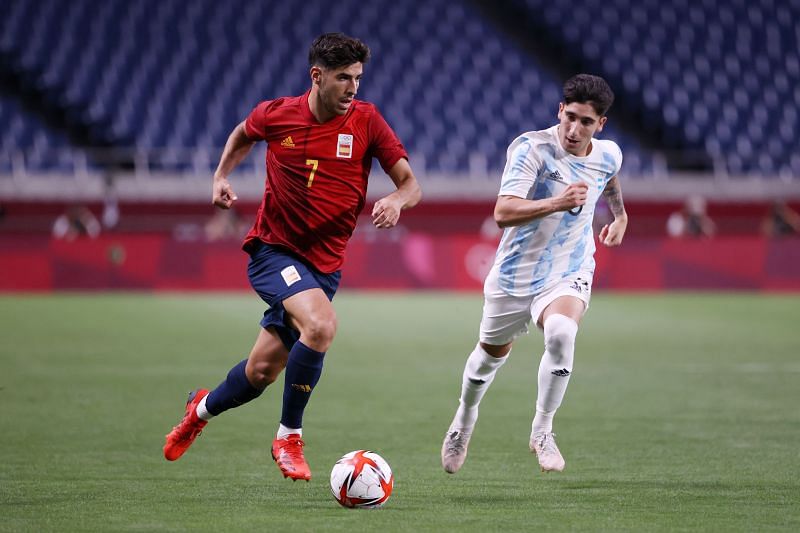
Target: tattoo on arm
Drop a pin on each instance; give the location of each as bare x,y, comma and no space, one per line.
613,196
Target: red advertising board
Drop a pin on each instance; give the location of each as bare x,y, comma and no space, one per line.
381,260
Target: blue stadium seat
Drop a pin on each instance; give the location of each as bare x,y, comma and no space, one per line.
25,134
158,74
740,60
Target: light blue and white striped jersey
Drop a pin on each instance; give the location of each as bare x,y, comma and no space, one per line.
533,257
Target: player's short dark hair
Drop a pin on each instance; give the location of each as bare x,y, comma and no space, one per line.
337,50
589,89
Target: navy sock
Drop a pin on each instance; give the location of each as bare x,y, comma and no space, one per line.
303,370
233,392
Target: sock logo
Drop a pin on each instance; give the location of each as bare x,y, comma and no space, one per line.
477,381
561,373
301,388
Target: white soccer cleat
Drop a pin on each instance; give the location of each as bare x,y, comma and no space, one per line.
454,449
544,446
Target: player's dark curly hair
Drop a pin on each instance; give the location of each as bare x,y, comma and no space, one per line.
337,50
589,89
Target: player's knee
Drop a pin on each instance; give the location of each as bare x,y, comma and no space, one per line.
319,332
496,350
559,338
557,343
263,373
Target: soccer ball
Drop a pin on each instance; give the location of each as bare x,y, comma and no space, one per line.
361,479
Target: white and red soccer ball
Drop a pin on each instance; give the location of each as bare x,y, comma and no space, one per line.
361,479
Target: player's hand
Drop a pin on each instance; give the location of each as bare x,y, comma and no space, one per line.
611,234
386,212
573,196
223,195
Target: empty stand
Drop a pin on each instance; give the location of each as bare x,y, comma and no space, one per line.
166,75
719,78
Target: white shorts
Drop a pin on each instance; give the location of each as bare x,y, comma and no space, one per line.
506,317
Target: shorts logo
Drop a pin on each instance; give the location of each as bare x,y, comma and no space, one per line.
290,275
580,285
344,148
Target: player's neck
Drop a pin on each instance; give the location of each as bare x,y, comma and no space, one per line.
317,109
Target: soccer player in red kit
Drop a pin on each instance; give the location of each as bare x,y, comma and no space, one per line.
320,150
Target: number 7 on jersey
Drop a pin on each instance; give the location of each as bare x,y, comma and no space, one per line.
313,163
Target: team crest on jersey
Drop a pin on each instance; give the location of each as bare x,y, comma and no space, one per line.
344,147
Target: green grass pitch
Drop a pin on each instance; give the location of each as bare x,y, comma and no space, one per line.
683,414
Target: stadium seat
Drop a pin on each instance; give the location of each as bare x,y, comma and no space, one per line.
739,59
164,74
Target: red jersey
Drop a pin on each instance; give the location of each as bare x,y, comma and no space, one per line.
317,175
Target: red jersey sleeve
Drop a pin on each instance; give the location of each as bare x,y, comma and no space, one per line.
256,124
385,145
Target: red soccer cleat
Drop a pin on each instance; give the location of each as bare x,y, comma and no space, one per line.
288,454
182,436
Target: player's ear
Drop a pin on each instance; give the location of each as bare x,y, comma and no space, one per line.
316,74
601,123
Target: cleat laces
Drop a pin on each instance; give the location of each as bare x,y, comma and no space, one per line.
294,451
455,443
547,444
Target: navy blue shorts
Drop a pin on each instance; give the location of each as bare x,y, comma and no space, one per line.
275,274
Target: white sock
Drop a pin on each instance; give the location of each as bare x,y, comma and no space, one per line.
202,412
479,373
284,432
554,370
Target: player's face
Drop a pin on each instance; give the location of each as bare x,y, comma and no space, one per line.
337,87
578,123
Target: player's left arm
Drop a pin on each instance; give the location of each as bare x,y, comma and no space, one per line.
386,211
611,234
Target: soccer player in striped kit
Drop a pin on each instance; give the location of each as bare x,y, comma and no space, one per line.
544,264
320,150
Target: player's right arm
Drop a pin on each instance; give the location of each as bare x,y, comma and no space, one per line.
516,211
523,164
236,149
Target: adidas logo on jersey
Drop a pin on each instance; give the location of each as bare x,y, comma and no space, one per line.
554,175
287,142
